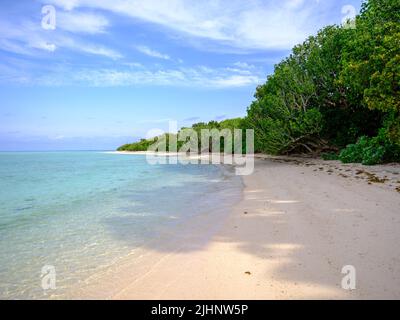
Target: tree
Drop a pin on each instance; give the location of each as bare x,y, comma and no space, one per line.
371,62
283,117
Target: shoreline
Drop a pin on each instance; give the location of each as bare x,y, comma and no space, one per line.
289,237
188,233
386,176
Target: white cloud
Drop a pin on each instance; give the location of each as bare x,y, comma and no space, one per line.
199,77
177,77
113,78
30,39
13,46
242,68
252,24
100,51
43,45
82,22
152,53
243,65
234,81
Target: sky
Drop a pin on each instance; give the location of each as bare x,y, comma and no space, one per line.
92,75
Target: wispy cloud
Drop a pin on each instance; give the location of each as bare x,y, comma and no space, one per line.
78,22
197,76
193,76
108,77
14,46
243,65
99,50
152,53
243,24
235,81
23,38
29,38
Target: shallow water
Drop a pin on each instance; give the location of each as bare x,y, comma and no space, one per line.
82,212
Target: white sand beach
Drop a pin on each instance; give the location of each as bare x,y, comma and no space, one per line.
299,222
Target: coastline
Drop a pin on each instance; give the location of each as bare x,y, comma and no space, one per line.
300,221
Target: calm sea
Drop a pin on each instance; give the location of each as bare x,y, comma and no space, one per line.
82,212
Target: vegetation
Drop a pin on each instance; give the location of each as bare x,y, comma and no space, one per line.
230,124
142,145
339,90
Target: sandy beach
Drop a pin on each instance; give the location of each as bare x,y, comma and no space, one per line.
300,221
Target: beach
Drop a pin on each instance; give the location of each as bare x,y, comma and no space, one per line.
115,227
299,222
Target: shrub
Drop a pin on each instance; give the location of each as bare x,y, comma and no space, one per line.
367,151
330,156
351,154
370,151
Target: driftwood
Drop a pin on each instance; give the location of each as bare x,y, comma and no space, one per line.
309,145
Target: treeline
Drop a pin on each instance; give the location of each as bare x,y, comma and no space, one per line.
229,124
337,94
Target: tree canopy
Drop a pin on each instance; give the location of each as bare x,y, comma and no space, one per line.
336,87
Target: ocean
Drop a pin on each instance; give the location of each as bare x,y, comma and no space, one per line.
83,212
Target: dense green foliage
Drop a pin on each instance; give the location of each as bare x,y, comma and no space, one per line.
339,90
371,151
340,87
366,150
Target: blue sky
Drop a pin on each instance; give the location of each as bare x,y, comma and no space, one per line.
113,69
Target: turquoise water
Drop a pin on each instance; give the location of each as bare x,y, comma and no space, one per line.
82,212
